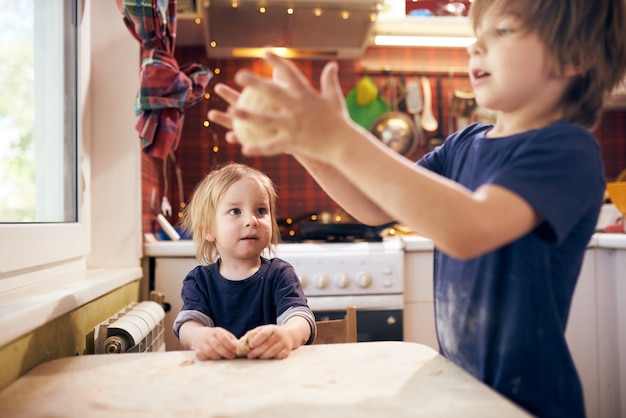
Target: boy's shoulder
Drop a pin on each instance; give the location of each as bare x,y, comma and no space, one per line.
560,129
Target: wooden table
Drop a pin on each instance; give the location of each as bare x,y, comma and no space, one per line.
377,379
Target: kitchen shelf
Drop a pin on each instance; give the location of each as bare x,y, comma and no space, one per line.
452,26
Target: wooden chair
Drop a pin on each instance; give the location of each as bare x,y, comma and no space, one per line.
337,330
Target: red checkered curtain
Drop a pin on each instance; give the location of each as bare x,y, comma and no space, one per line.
165,88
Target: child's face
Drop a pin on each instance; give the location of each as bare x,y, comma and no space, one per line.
509,67
243,221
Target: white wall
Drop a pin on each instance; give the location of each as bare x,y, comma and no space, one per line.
115,149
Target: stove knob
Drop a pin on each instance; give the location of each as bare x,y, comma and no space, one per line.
320,280
342,280
303,281
364,279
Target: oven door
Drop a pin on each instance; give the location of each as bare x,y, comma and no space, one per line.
379,317
378,325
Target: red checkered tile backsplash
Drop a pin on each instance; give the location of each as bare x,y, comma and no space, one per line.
202,147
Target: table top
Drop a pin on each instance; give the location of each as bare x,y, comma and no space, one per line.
373,379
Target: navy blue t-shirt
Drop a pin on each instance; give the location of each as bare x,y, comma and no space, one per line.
502,316
241,305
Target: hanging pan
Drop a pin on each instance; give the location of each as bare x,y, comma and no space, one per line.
396,129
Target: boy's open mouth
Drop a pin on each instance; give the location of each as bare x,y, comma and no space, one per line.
478,74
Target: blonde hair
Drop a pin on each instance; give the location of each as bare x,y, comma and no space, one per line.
199,215
587,34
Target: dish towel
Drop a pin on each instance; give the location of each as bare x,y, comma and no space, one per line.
165,88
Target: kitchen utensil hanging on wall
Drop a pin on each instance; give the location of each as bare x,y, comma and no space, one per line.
429,123
364,103
179,184
414,106
463,106
438,140
167,228
394,128
166,207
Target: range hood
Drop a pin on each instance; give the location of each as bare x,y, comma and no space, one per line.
324,29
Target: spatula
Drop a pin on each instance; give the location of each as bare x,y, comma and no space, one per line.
414,105
429,123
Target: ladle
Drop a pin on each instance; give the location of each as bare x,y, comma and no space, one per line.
429,123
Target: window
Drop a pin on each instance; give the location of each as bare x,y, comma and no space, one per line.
39,215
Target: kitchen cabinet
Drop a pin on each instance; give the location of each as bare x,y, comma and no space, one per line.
620,294
596,331
169,273
611,326
419,305
582,332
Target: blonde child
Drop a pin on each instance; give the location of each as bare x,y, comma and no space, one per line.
236,289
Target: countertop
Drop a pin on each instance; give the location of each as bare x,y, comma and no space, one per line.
374,379
614,241
186,248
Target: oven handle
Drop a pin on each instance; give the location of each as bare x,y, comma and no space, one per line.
364,303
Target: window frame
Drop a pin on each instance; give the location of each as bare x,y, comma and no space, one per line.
28,247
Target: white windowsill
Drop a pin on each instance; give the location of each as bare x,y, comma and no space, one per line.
27,308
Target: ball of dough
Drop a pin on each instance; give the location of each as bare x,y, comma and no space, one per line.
242,346
253,100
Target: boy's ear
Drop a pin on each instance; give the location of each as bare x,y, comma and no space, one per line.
577,67
573,70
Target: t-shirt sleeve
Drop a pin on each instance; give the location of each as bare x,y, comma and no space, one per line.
560,176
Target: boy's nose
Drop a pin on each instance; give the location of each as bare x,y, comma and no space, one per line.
471,50
475,48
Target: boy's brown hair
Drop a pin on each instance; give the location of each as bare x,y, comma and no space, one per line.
587,34
199,215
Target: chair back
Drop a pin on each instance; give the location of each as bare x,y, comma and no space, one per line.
336,331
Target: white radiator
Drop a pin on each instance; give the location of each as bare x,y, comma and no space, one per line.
138,328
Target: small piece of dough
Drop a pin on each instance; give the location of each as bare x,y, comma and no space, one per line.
242,346
253,100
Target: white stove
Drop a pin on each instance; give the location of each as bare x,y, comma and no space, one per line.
369,275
